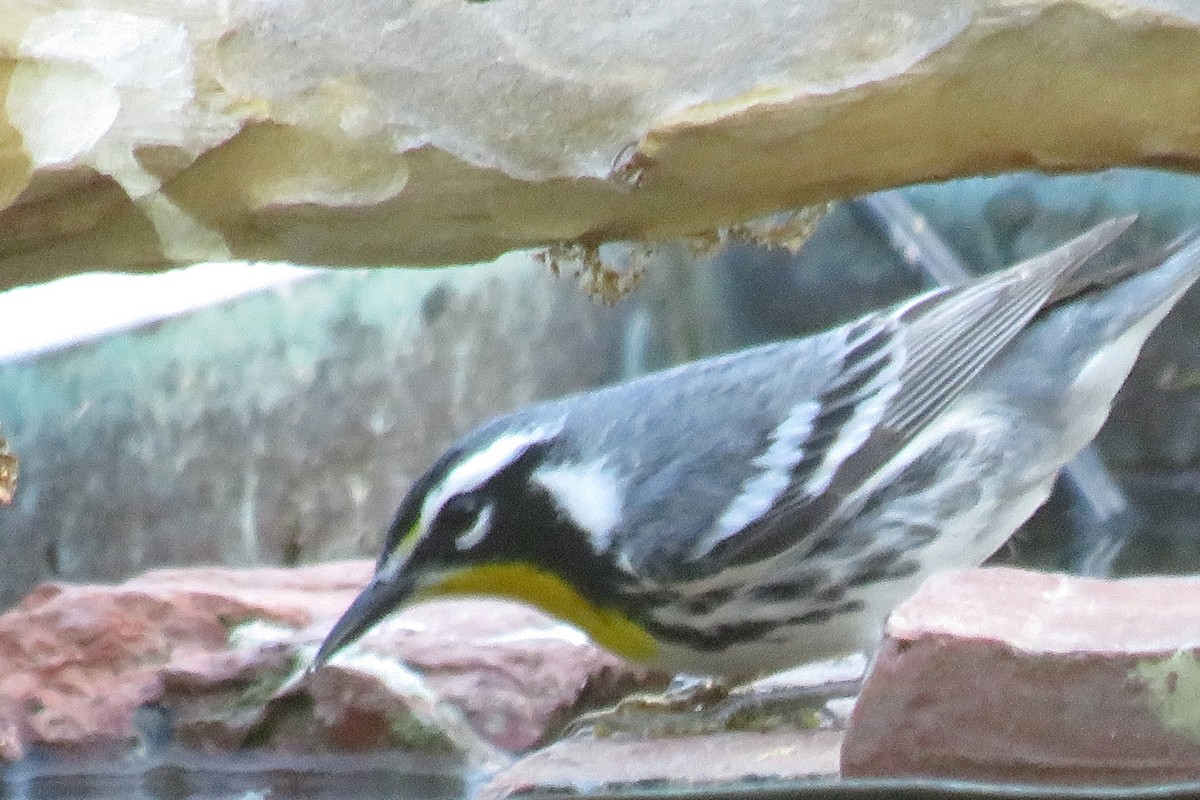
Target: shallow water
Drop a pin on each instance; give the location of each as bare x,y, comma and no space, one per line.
259,777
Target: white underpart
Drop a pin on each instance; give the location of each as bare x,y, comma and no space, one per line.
477,468
1107,370
760,492
474,535
588,495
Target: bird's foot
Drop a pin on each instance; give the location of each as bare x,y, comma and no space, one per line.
695,707
673,711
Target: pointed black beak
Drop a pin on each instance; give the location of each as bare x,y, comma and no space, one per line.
375,602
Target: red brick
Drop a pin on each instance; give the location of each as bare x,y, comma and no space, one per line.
1009,675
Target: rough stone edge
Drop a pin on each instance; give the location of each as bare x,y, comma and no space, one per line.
1049,85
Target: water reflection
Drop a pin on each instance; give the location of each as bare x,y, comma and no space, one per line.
259,777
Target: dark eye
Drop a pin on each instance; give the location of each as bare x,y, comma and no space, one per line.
458,513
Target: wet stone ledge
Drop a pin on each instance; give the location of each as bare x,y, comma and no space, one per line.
179,677
213,660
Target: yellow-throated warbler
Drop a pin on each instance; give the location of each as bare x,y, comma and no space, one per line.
749,512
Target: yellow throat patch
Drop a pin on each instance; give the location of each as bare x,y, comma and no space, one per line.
609,628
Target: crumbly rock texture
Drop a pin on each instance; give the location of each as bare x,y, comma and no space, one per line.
135,135
1015,676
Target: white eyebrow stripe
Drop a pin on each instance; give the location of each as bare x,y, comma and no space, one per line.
477,468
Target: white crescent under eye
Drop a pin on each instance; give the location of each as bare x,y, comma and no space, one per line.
479,528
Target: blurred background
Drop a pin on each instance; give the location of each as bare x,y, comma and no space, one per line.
260,414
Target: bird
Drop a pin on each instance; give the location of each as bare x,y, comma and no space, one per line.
749,512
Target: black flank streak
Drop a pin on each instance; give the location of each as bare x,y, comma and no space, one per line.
712,640
921,535
846,541
709,601
886,565
957,499
787,590
831,594
819,616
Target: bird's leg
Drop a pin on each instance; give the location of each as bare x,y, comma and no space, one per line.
692,706
672,711
777,706
682,693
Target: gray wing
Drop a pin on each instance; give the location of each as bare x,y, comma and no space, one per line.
898,370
